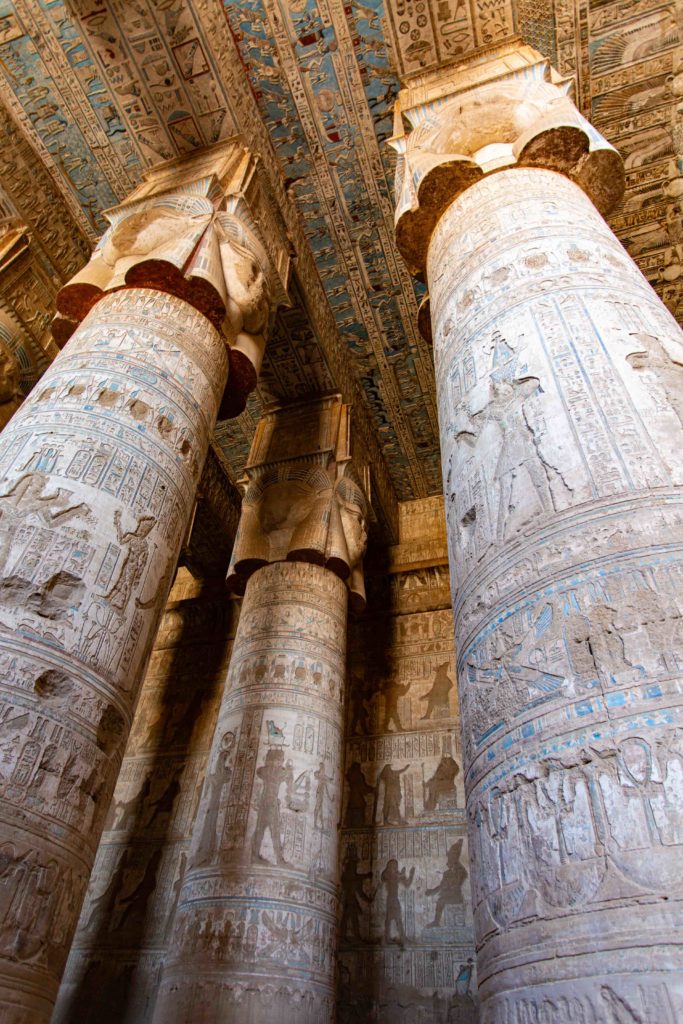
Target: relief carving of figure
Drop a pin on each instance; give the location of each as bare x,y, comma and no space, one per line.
322,778
390,779
162,806
392,693
273,774
520,459
518,452
28,893
359,791
449,889
437,697
134,561
136,891
30,496
392,877
441,786
215,786
353,894
360,713
653,360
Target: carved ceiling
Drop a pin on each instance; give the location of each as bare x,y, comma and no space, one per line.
103,90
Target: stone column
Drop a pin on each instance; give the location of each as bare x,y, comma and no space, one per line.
98,473
560,382
255,930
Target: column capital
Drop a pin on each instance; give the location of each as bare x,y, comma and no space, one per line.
303,497
204,228
507,109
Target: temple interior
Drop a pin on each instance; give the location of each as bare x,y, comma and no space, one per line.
341,512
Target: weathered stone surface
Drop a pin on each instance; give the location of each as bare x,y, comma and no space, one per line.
303,500
266,843
254,935
10,371
558,379
114,967
406,945
99,469
511,109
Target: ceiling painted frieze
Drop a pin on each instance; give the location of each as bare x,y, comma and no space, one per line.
102,90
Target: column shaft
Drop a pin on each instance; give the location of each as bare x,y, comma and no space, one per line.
255,928
559,379
99,470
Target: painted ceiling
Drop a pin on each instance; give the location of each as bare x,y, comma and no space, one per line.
103,90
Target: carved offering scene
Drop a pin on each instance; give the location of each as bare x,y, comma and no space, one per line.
341,512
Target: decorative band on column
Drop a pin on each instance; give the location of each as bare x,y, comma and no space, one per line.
99,469
255,932
199,240
98,476
255,928
559,375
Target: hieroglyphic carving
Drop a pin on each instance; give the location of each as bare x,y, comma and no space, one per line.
99,469
509,110
202,241
564,520
265,844
126,923
635,87
38,202
405,942
303,499
424,36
